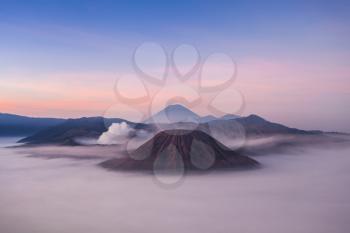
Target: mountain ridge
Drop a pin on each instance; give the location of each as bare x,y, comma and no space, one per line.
17,125
85,127
179,113
66,130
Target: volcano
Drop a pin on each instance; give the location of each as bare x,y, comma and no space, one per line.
172,150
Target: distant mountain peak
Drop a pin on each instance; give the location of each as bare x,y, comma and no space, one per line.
174,113
176,106
255,117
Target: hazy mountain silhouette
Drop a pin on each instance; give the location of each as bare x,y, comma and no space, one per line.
174,113
229,125
229,117
179,113
177,150
252,125
15,125
208,118
66,132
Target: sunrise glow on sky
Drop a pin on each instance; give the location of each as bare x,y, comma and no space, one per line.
61,58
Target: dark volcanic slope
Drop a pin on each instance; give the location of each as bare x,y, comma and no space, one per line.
176,149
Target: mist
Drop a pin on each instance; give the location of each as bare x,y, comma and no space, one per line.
301,192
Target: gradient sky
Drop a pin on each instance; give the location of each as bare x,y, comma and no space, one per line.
61,58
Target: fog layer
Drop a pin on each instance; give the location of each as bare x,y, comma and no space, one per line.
302,192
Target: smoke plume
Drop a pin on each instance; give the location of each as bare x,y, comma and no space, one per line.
117,133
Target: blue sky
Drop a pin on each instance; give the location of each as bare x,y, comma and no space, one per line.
242,28
47,42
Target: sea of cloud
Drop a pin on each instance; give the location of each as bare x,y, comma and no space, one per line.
292,193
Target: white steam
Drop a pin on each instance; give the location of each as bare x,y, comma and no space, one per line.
117,133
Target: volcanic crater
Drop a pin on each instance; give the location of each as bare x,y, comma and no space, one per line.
174,150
